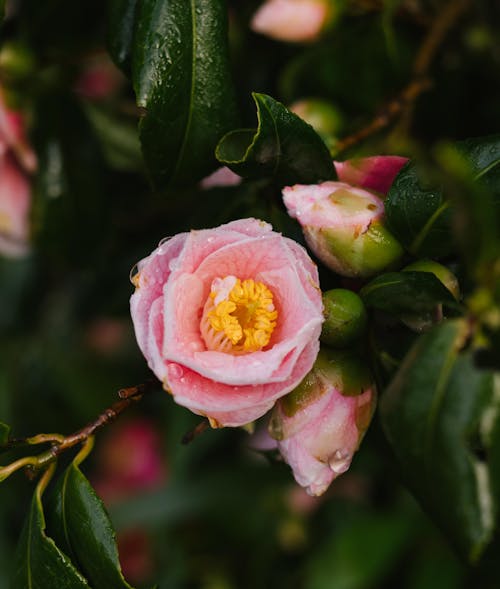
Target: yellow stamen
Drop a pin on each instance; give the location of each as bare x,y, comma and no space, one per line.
239,316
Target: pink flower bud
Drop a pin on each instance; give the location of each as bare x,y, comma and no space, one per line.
372,173
320,425
292,20
100,78
343,226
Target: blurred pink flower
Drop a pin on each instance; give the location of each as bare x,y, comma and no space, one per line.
100,78
291,20
130,460
17,160
228,318
320,425
221,177
371,173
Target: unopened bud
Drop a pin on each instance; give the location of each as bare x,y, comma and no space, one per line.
344,227
320,424
345,317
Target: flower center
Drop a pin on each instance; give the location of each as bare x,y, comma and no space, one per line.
238,316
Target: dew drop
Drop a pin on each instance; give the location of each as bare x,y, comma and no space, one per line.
134,274
175,371
164,240
340,461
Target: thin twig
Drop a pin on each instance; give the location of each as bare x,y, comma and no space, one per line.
420,82
195,432
60,444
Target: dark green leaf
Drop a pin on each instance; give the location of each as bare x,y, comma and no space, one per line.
438,414
482,153
4,433
121,21
406,292
283,147
180,71
80,524
40,564
418,214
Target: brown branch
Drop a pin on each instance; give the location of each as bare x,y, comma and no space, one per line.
195,432
60,444
420,82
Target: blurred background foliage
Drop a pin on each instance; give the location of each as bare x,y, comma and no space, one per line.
217,514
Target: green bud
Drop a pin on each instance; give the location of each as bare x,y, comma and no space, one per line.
345,317
441,272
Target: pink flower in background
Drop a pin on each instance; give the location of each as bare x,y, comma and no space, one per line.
130,460
371,173
228,318
291,20
17,160
100,78
221,177
343,226
320,425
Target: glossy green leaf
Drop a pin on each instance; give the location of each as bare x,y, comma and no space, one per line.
180,71
40,564
81,526
418,214
438,413
283,147
4,433
403,292
121,22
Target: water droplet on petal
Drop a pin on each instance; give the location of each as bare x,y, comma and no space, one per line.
134,274
164,240
340,461
175,371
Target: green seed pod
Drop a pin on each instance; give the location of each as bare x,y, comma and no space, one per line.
345,318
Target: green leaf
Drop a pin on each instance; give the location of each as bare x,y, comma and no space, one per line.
121,21
418,214
406,292
80,524
4,433
40,564
439,413
283,147
180,71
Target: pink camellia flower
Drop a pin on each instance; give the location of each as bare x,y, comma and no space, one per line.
320,425
228,318
292,20
343,226
17,160
371,173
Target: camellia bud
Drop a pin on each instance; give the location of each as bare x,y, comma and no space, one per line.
320,424
345,317
344,227
423,322
292,20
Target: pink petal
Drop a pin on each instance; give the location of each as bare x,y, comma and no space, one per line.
372,173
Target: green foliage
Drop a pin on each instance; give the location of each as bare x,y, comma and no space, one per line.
400,293
439,413
81,527
40,563
180,73
283,147
4,433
